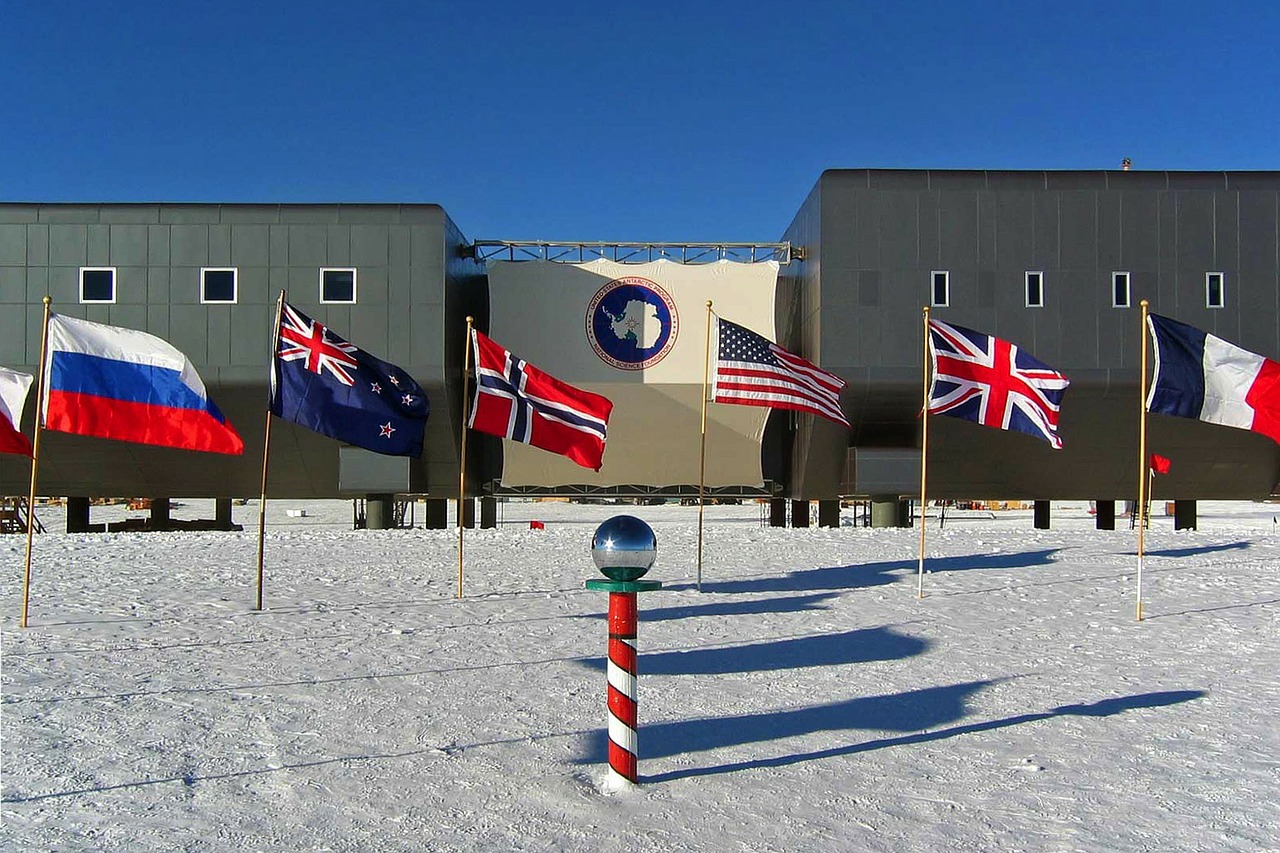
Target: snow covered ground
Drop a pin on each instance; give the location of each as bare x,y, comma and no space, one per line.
804,700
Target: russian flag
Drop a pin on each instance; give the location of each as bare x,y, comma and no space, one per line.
125,384
13,394
1198,375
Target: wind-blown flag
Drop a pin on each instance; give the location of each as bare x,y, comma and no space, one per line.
518,401
1198,375
1159,464
13,394
753,371
128,385
332,387
981,378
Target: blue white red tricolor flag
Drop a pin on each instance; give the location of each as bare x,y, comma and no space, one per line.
125,384
981,378
1198,375
13,394
329,386
518,401
753,371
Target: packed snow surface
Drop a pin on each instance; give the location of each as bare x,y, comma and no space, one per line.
804,699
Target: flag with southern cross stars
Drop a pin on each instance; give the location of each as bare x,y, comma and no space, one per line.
325,384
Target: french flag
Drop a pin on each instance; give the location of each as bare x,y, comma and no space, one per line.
125,384
13,394
1198,375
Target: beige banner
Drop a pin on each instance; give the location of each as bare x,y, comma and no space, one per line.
635,333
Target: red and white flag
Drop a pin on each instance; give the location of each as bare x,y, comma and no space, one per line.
753,371
13,394
1199,375
518,401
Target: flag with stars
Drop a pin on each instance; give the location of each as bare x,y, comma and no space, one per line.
332,387
750,370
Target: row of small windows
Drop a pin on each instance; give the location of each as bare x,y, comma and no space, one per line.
1215,291
218,285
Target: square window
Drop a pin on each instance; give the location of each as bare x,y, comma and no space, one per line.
338,285
941,293
1215,290
217,285
1120,290
1035,289
97,284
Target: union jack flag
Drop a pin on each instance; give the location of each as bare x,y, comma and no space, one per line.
302,338
516,400
332,387
981,378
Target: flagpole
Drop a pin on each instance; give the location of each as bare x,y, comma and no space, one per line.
1142,455
924,453
266,450
702,453
462,461
35,459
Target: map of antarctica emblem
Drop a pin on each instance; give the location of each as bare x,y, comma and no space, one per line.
632,323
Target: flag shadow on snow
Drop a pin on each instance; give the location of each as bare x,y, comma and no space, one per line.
876,574
793,604
915,711
860,646
1194,550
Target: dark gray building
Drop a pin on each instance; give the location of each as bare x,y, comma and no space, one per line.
1056,262
1053,261
393,279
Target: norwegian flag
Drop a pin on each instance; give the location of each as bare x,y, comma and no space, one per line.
980,378
332,387
518,401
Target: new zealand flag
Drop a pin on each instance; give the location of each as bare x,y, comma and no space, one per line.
327,385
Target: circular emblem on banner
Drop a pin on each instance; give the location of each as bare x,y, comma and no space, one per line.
632,323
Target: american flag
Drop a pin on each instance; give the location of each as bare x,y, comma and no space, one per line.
980,378
518,401
752,371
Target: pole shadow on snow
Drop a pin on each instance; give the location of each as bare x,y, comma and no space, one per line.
860,646
914,711
876,574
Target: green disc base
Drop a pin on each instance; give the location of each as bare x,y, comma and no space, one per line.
622,586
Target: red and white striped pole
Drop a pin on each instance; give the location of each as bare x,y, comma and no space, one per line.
623,549
622,689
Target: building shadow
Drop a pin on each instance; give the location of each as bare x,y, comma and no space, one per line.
860,646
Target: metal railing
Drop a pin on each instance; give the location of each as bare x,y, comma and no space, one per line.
632,253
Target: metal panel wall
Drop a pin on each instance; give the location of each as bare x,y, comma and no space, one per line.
158,250
987,229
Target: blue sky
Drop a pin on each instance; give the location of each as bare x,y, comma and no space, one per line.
585,121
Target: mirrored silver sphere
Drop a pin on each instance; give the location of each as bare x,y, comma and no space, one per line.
624,548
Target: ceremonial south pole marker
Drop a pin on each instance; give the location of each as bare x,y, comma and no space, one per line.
623,548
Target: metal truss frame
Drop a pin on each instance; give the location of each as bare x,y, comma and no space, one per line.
633,253
496,489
